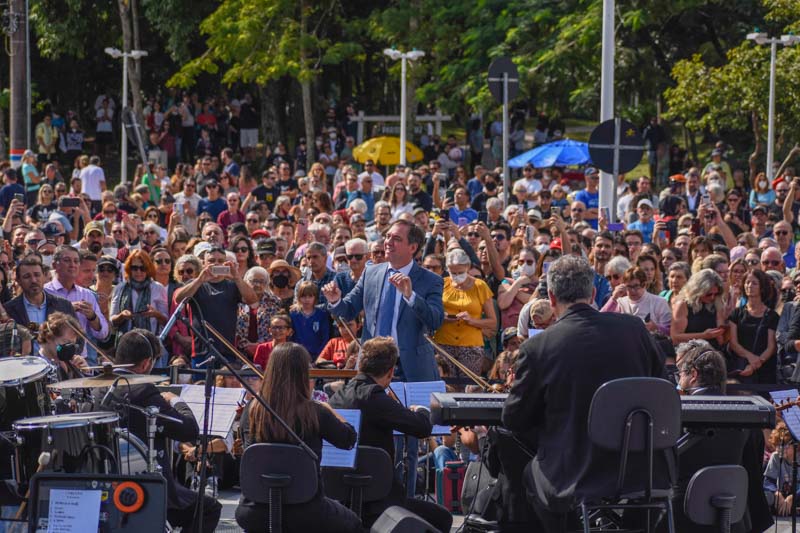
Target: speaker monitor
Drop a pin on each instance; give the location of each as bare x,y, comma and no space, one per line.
399,520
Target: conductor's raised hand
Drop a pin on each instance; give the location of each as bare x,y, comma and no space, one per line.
332,292
402,283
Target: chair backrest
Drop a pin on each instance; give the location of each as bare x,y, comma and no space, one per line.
373,474
615,401
271,459
714,489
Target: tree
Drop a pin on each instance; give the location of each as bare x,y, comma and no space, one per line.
258,41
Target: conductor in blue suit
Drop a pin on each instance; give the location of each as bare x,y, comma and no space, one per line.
402,300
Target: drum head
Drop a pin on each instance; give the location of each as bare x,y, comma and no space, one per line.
69,420
16,370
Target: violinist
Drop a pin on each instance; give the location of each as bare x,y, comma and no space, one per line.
702,370
380,415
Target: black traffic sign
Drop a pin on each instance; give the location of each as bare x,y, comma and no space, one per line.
620,137
500,66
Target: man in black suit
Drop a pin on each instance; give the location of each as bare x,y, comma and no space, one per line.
380,415
141,349
557,375
34,305
702,371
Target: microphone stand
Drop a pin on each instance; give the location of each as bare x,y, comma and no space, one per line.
215,355
794,489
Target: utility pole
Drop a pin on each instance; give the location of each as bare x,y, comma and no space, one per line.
15,26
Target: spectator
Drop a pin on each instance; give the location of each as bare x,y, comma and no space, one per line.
632,298
699,310
677,276
310,323
139,301
752,332
213,204
336,350
253,320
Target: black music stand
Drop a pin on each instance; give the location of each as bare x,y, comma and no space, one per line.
792,418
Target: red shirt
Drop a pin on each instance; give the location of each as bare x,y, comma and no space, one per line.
263,351
336,351
226,218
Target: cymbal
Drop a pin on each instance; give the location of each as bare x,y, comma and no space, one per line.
106,380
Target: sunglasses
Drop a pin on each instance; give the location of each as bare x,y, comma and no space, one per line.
379,253
241,249
108,269
770,262
252,221
186,272
783,232
579,210
751,262
163,261
138,268
499,237
473,234
357,257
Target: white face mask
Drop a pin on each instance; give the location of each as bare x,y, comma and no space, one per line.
110,251
528,270
543,248
342,267
762,184
458,278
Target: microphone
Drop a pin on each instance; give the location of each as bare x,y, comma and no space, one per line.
172,319
109,393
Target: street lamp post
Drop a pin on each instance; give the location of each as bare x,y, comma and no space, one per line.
116,54
761,39
403,57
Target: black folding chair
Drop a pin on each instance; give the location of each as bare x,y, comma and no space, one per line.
277,475
636,417
370,481
717,495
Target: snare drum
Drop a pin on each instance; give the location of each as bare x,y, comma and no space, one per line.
81,442
24,381
132,454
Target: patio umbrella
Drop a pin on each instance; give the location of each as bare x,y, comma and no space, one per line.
558,153
385,151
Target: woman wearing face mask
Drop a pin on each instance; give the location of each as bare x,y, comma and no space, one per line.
140,301
762,193
466,300
513,294
58,343
283,278
252,321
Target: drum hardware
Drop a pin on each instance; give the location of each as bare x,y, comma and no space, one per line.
25,379
152,415
107,379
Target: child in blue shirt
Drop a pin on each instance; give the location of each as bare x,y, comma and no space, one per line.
311,324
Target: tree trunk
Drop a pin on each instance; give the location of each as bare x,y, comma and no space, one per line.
305,84
3,147
272,112
134,74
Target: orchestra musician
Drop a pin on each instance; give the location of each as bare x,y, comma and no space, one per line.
142,349
58,343
287,389
380,416
557,374
702,371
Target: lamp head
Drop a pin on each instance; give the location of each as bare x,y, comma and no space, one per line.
113,52
136,54
392,53
758,37
415,54
790,39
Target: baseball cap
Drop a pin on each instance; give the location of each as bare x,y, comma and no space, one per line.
680,178
645,202
94,226
509,333
760,207
555,244
339,252
590,171
268,246
108,260
201,247
534,214
260,233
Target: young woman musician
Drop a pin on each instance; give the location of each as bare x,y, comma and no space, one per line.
287,389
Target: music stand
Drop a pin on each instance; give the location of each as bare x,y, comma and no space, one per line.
791,417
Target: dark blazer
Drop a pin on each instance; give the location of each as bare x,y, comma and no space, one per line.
557,375
380,414
15,308
417,362
178,496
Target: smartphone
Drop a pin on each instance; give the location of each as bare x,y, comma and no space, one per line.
530,234
70,202
555,210
445,215
706,198
546,267
290,218
220,270
450,195
451,316
606,213
19,197
483,216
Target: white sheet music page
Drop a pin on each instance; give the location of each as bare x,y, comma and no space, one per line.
335,457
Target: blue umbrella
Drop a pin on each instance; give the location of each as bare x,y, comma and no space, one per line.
558,153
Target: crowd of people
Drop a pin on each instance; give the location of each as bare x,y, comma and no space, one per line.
271,253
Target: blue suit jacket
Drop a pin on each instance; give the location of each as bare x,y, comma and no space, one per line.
417,359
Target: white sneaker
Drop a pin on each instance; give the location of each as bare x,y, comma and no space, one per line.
211,487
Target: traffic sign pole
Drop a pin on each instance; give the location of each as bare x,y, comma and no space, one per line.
506,177
608,183
617,131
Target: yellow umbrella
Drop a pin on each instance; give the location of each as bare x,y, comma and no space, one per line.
385,151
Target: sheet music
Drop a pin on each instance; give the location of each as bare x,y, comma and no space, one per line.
224,403
791,415
335,457
73,511
419,393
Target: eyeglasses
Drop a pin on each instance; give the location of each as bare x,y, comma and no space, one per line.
633,287
108,269
751,262
613,276
782,190
186,272
782,232
433,267
278,328
164,261
378,253
499,237
189,184
712,294
241,249
252,220
577,210
112,213
733,198
770,262
357,257
258,281
212,186
473,234
138,268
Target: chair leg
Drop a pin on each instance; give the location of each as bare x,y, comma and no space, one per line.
275,506
670,518
586,525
